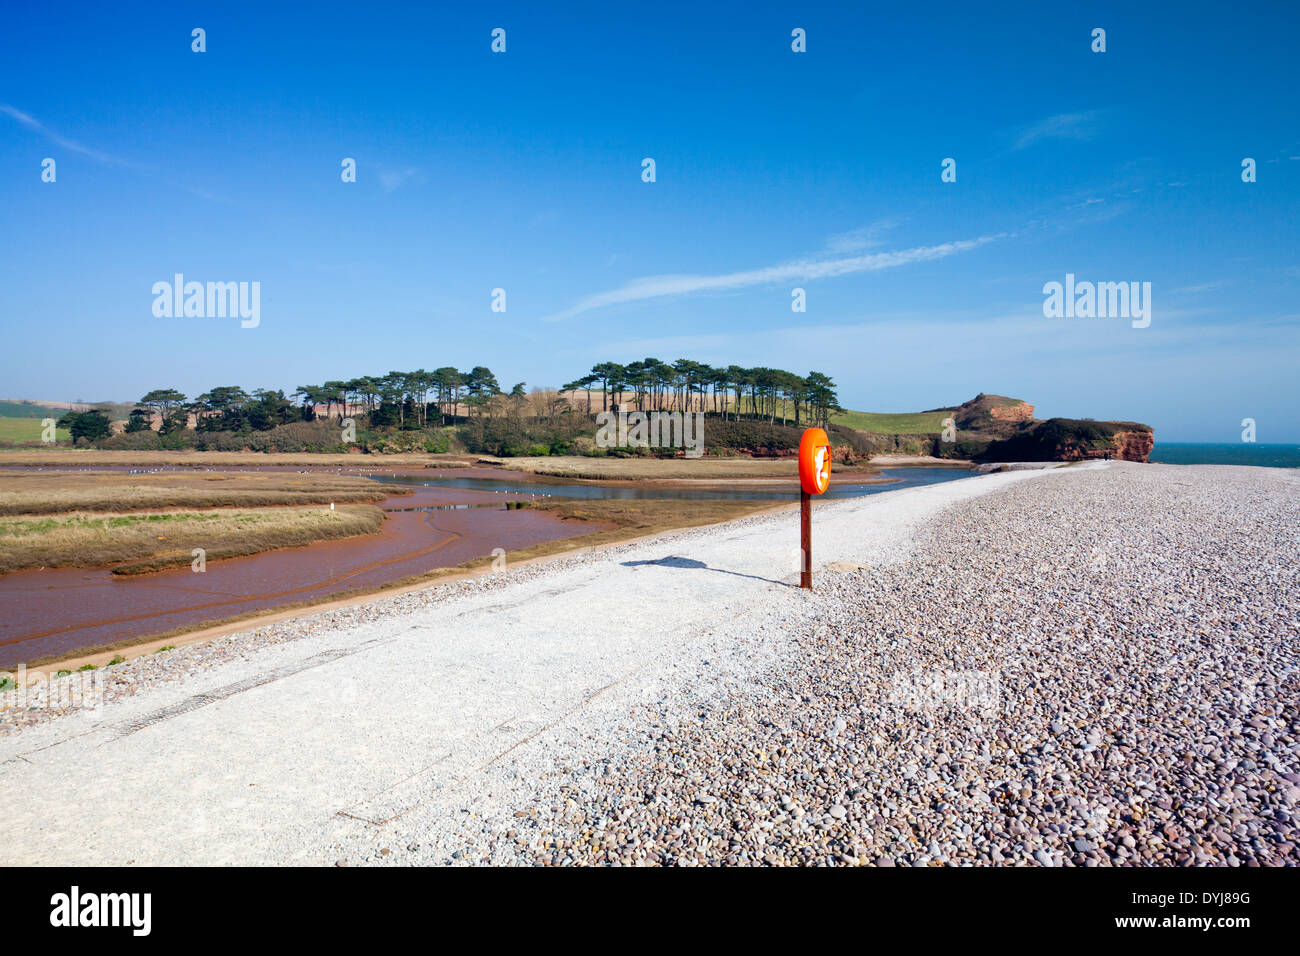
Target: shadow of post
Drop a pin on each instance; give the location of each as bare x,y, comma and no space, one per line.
674,561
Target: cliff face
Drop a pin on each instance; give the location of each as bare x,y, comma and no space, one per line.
1125,446
1064,439
1136,446
1000,428
1019,412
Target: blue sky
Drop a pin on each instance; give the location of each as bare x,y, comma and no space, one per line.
774,170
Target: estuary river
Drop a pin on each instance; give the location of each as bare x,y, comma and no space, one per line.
446,521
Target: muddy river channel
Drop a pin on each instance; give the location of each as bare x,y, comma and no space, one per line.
447,520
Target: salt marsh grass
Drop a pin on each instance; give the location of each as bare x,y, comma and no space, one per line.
40,492
159,540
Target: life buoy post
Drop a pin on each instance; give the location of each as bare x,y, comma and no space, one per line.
814,479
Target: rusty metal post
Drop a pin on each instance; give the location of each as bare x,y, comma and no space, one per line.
805,513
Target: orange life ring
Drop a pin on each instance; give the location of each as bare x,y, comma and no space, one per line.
814,461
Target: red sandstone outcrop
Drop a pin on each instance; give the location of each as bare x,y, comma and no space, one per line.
1133,445
1019,412
1129,446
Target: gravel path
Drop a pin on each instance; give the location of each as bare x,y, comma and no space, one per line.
1035,686
1077,666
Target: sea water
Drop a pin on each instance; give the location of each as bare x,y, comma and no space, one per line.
1227,453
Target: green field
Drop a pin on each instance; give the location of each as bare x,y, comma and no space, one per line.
23,410
880,423
887,423
27,429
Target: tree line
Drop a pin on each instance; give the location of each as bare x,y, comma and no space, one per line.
401,399
416,391
409,400
734,391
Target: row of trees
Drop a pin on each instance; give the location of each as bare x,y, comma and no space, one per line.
419,399
734,391
402,399
418,390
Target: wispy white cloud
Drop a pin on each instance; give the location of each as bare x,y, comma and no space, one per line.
652,287
26,119
1201,287
201,193
1080,126
36,126
857,240
391,178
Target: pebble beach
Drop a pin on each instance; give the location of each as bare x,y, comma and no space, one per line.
1092,671
1087,666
